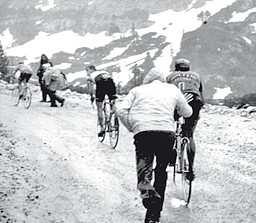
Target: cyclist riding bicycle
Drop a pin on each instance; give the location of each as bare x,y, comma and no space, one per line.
190,83
104,86
25,74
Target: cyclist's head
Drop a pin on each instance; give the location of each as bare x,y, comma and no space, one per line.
90,68
182,64
153,74
44,58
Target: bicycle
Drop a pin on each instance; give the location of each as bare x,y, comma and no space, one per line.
181,165
26,96
110,124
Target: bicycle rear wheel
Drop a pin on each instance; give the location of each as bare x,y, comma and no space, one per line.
113,130
27,98
186,184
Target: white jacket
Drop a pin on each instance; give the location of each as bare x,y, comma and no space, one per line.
150,107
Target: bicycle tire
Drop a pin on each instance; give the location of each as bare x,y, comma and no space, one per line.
27,98
113,130
186,184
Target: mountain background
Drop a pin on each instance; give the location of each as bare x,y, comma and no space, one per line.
220,47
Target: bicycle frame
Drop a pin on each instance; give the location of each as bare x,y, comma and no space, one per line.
181,166
111,124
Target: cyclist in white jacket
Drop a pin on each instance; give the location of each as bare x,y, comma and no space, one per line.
148,112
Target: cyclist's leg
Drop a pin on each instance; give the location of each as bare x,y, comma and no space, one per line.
188,129
21,83
111,92
100,95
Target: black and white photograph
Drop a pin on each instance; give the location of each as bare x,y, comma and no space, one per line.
128,111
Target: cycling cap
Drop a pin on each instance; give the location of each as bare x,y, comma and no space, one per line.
182,63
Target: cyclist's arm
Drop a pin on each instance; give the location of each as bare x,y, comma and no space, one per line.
183,108
124,108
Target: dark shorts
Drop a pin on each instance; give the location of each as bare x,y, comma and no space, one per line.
105,87
190,123
24,76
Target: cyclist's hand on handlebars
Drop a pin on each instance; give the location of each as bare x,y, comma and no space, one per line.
188,97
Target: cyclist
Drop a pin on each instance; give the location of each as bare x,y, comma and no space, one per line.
91,90
25,74
190,83
104,86
147,111
54,80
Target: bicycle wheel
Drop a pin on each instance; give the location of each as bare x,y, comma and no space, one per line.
102,137
186,184
27,98
113,130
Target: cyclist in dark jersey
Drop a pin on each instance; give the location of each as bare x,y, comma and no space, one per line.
104,86
190,83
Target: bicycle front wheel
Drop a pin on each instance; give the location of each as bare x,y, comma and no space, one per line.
186,183
27,98
113,130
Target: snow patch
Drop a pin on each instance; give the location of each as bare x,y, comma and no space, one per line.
45,7
77,83
253,25
63,66
241,16
59,42
90,2
221,93
6,39
39,22
182,22
247,40
115,52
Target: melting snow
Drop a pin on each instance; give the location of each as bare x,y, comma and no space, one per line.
221,93
45,7
6,38
241,16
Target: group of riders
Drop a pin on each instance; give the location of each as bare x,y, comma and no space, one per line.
150,112
50,80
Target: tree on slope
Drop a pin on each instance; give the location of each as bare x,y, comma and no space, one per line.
3,62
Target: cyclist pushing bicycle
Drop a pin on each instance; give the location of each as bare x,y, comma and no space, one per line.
147,111
25,74
189,83
104,86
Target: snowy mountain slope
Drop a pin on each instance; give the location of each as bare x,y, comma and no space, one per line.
166,29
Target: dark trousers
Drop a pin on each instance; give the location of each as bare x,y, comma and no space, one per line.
150,144
54,97
43,90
